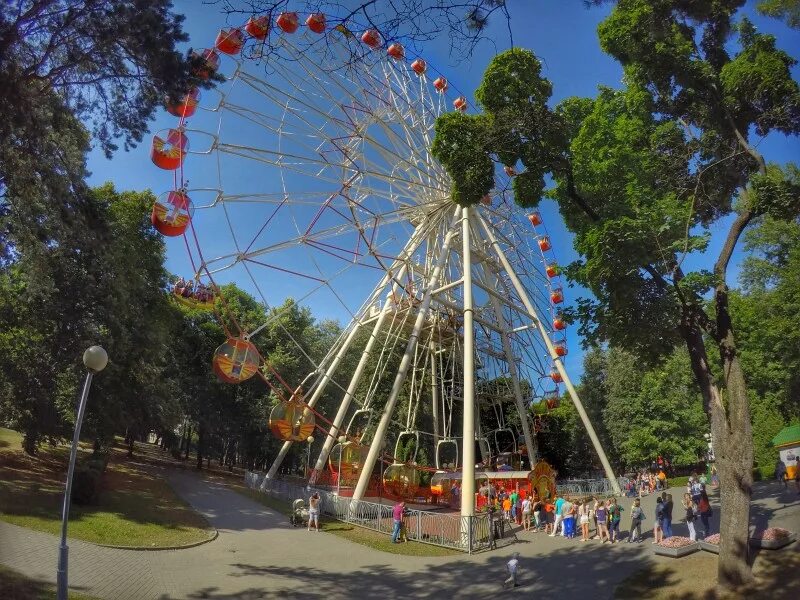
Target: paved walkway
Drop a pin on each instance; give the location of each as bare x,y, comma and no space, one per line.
258,555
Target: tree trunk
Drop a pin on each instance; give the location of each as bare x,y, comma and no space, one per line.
200,442
188,430
733,449
735,457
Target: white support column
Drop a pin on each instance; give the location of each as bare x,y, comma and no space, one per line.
468,428
405,363
434,395
413,243
573,394
344,406
326,377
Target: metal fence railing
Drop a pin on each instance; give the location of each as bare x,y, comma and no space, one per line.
450,530
589,487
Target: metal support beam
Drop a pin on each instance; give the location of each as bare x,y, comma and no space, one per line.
468,427
344,406
551,350
413,243
434,393
405,364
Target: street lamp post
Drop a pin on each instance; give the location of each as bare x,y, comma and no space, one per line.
342,440
310,440
95,360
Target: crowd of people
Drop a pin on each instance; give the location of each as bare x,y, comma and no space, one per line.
594,518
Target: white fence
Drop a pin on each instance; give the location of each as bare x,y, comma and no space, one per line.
589,487
429,527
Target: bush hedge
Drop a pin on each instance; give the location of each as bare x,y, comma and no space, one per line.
88,477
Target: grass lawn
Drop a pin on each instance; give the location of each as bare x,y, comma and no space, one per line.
359,535
16,586
135,508
694,577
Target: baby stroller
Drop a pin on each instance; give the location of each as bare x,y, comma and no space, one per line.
299,515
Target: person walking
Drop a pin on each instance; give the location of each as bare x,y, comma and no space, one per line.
512,567
637,516
507,508
658,533
780,472
558,518
397,517
666,520
704,508
602,520
688,505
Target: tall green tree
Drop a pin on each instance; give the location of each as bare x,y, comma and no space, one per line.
642,177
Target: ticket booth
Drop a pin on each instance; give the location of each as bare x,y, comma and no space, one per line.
787,443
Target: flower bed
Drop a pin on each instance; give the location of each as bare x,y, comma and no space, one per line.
676,546
772,538
710,543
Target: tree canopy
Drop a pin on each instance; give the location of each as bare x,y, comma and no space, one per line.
643,177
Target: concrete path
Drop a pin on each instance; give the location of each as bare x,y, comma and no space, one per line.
258,555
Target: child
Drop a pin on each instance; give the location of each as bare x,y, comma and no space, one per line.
507,508
512,566
637,516
602,517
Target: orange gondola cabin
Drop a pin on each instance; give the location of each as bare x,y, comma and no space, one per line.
316,22
396,51
172,215
257,27
419,66
236,360
186,105
291,421
371,38
169,149
288,22
440,83
230,41
207,63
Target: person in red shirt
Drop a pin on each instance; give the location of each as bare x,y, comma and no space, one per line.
397,517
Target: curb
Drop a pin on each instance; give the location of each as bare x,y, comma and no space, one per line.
211,538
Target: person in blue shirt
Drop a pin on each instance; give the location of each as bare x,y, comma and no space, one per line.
559,503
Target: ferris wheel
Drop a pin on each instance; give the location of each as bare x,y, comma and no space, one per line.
308,173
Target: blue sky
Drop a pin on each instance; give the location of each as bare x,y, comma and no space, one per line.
561,32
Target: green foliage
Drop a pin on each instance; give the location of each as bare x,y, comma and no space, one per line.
517,127
654,412
111,63
86,483
776,193
786,10
457,138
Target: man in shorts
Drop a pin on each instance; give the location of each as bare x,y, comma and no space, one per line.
313,511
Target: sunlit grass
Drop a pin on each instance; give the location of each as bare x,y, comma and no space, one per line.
135,508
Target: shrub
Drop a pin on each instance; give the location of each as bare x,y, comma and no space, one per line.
86,482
